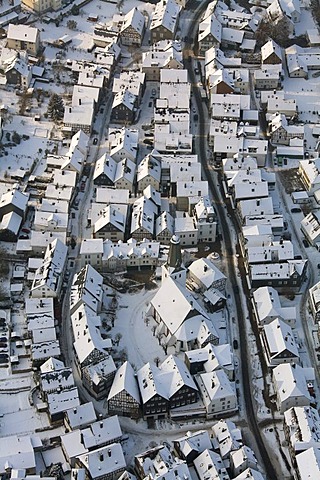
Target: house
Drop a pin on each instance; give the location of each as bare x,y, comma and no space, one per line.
164,54
211,358
14,201
106,463
166,387
91,349
226,438
309,171
220,82
267,307
148,173
123,107
279,344
206,275
9,227
191,445
17,70
308,464
164,228
18,453
80,417
132,28
132,81
110,225
123,143
301,429
86,289
42,6
314,301
130,255
77,153
23,37
104,171
79,117
281,132
284,275
91,252
310,227
159,462
164,21
9,12
209,464
268,77
179,383
291,385
271,53
49,276
97,377
142,219
210,31
154,394
217,393
243,459
124,396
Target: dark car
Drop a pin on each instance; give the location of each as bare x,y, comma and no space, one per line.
305,243
25,230
295,210
235,344
95,141
24,237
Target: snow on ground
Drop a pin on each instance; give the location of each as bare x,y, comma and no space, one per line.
137,337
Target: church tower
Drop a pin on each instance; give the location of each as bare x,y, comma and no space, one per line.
174,267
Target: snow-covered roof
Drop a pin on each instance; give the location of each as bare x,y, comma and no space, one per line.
206,272
16,451
82,415
87,288
110,216
268,306
174,304
15,198
280,340
270,48
11,221
227,436
165,15
102,432
149,166
308,463
125,380
194,441
209,464
22,33
49,274
60,401
134,19
303,424
291,383
151,383
87,335
215,386
104,461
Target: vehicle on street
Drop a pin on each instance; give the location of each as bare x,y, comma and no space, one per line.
295,210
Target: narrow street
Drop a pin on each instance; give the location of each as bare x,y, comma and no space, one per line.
230,253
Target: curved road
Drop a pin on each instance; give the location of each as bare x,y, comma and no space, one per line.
201,149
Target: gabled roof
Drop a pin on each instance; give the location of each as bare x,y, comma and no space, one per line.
175,304
134,19
125,380
166,15
206,272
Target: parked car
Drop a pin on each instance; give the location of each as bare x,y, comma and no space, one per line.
153,92
305,243
95,141
235,344
295,210
25,230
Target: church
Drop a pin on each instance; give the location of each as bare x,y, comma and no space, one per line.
182,323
